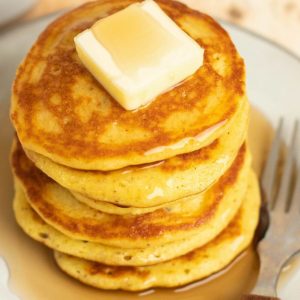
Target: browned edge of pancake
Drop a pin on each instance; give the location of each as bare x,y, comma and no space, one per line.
135,227
66,146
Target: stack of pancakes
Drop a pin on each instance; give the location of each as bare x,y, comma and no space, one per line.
160,196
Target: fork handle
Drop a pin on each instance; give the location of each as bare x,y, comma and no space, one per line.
257,297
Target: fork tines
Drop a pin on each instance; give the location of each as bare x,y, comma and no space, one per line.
283,187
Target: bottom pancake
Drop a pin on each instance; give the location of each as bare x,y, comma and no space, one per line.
195,265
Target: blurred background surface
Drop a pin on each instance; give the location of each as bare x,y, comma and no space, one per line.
278,20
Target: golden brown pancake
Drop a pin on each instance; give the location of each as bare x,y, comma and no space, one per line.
133,199
195,265
36,228
205,215
60,111
151,185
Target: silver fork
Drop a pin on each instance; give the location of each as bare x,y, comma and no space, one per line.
282,239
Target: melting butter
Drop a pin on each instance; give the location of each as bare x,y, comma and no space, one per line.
137,45
138,53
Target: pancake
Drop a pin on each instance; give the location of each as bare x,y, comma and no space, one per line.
114,209
195,265
151,184
36,228
205,216
60,111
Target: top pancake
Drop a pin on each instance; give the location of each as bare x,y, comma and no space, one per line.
60,111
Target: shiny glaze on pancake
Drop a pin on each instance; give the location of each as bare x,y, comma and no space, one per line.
195,265
200,216
142,188
60,111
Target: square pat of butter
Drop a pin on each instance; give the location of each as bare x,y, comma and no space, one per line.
138,53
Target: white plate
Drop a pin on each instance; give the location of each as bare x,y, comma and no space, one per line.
12,9
273,77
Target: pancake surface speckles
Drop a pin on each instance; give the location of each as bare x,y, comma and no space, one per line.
61,112
195,265
205,214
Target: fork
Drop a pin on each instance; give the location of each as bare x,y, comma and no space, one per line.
282,239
